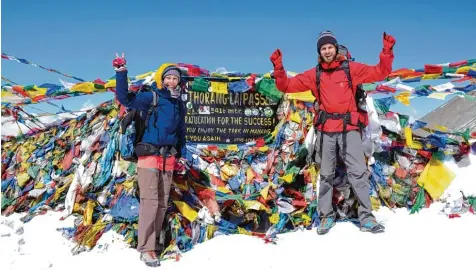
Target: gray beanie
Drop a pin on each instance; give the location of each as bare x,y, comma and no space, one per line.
326,37
171,71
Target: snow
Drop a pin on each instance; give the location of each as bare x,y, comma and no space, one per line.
427,239
465,178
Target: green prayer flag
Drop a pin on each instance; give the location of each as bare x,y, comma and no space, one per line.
419,201
403,120
200,85
369,86
267,87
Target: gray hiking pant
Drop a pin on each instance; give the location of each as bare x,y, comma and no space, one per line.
356,172
154,189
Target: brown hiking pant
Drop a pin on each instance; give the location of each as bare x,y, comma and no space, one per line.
154,189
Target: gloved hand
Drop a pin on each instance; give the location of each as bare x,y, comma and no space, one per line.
388,42
119,63
277,59
181,166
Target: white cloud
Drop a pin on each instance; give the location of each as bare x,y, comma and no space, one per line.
87,105
413,112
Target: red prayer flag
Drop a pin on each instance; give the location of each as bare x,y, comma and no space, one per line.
260,142
459,63
385,88
433,69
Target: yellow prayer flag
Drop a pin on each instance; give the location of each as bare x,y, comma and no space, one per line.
275,132
88,213
232,147
250,175
142,76
263,149
254,205
186,211
211,229
306,96
90,237
219,87
55,161
264,192
296,117
113,113
416,145
110,84
463,70
97,156
24,166
77,208
181,187
36,91
408,136
288,178
128,184
224,190
412,77
22,179
306,219
439,95
31,148
404,98
6,93
441,128
85,87
375,203
61,189
243,231
435,178
274,218
430,76
42,137
39,185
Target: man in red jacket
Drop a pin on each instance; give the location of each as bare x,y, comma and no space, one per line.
333,83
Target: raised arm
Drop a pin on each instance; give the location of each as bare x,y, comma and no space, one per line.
362,73
141,100
300,83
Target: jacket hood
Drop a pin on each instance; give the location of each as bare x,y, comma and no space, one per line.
160,71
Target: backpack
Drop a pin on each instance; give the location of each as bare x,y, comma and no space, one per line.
133,126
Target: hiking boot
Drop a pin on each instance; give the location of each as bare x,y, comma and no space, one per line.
150,258
158,250
325,226
373,227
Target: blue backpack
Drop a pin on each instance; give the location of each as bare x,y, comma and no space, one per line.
132,128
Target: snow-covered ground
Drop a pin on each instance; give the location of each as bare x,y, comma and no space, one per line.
426,240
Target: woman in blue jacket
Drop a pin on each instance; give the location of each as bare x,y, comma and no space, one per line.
162,144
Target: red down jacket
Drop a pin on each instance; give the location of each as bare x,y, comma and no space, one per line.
336,95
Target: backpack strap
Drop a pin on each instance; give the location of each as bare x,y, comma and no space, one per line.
155,98
318,81
345,66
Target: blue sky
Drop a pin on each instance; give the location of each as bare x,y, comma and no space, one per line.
81,37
